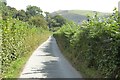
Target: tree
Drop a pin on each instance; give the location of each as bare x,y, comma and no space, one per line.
48,19
4,2
11,11
47,16
58,21
33,10
21,15
55,21
38,21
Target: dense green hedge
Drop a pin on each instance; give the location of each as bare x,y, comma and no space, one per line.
96,44
18,39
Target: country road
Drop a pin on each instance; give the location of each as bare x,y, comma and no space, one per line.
48,62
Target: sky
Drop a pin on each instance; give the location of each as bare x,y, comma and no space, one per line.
55,5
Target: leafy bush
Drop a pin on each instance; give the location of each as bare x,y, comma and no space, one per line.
18,39
96,43
38,21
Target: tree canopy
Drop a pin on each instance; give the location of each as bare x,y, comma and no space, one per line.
38,21
34,16
34,10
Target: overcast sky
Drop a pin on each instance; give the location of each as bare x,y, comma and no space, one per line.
54,5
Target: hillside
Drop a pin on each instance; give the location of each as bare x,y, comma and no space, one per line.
77,15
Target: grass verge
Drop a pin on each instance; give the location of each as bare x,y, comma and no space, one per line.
17,66
78,65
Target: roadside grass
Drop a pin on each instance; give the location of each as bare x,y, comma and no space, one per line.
0,40
17,66
0,49
80,66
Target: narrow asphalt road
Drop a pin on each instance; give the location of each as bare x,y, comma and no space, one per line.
48,62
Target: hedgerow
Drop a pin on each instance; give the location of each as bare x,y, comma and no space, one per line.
95,43
18,39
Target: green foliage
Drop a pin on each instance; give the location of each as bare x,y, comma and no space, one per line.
12,41
33,10
1,6
58,21
18,39
22,31
21,15
38,21
2,9
95,44
33,15
55,21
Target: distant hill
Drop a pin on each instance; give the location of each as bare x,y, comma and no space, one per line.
77,15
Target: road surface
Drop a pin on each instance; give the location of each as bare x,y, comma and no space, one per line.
48,62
